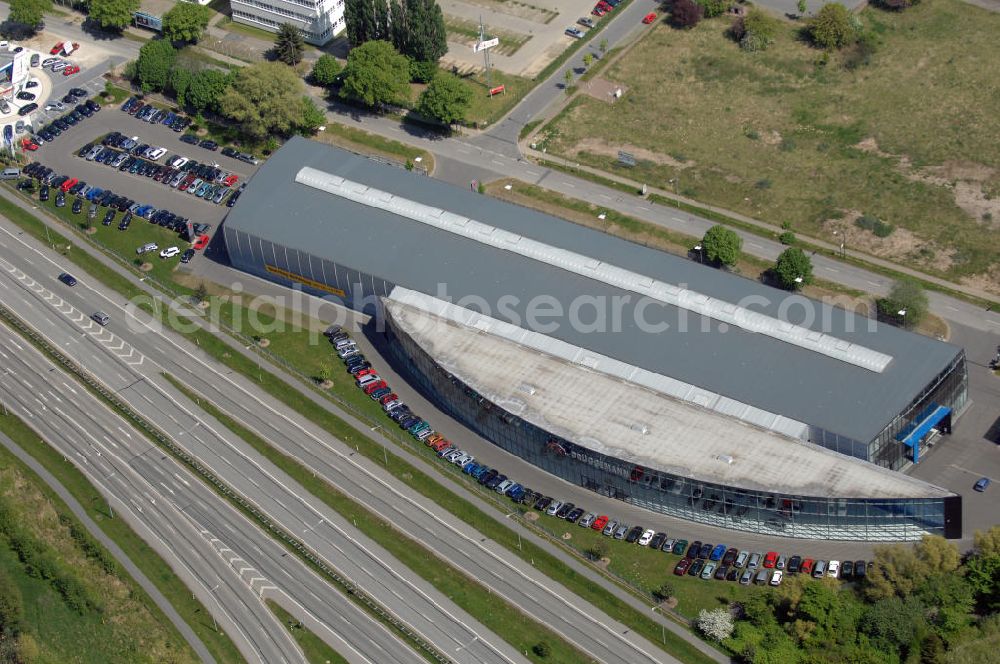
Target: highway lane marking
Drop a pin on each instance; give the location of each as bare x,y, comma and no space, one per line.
948,306
605,196
993,322
127,434
183,481
873,283
832,269
348,536
15,344
532,173
497,162
569,184
68,387
167,488
683,221
113,443
644,209
755,245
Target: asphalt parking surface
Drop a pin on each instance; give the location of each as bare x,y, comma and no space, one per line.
61,156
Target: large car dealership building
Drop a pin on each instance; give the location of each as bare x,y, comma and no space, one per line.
637,374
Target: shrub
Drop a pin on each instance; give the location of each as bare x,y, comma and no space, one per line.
717,624
787,237
755,31
832,27
895,5
713,8
875,225
685,13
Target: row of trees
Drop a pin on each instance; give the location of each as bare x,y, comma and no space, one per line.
414,27
920,604
377,75
185,22
264,99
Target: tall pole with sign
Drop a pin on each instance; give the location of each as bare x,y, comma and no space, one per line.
485,45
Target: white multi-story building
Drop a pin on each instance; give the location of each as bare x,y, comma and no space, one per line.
319,20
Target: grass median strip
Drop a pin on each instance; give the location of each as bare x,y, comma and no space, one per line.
507,621
145,558
315,649
425,484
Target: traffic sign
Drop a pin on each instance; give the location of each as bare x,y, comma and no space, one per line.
483,45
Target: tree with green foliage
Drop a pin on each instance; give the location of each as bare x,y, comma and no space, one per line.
156,59
367,20
722,245
313,117
112,14
376,75
207,86
29,13
264,99
178,83
906,295
325,70
447,99
793,269
418,30
186,22
831,27
588,59
713,8
801,6
893,622
983,576
567,80
289,45
541,649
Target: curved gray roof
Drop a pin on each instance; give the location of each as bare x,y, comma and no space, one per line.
756,369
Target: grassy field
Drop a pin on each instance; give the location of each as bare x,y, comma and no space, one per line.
116,621
486,110
152,565
911,138
360,140
315,649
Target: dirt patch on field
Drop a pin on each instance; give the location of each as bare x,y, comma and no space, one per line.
968,182
602,89
987,281
901,245
598,146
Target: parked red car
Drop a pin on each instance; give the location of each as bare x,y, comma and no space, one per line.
55,50
770,559
200,242
29,145
598,12
68,184
682,566
72,69
649,18
377,385
230,180
599,523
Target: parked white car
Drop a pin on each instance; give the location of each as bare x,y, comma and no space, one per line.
169,252
646,538
776,577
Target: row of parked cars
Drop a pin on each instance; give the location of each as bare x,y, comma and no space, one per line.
153,115
84,109
699,559
136,107
128,154
66,186
728,563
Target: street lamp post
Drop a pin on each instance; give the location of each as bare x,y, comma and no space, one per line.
902,313
701,253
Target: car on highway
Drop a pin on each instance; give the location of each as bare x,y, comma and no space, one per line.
67,278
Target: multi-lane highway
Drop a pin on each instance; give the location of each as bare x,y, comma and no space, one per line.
28,286
120,463
133,362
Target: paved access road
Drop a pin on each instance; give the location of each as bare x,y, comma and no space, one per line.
134,361
28,286
118,461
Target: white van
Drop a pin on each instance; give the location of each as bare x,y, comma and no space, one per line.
146,248
10,174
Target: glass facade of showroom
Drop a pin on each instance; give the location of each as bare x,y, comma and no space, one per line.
697,500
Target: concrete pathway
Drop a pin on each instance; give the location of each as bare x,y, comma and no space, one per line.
78,510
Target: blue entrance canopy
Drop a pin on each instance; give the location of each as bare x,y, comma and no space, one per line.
915,432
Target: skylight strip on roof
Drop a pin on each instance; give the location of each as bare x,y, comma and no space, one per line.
595,362
613,275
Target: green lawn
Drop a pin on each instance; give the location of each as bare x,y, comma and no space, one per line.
486,110
315,649
128,627
910,138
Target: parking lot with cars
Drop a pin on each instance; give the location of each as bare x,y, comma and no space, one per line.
706,561
163,153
